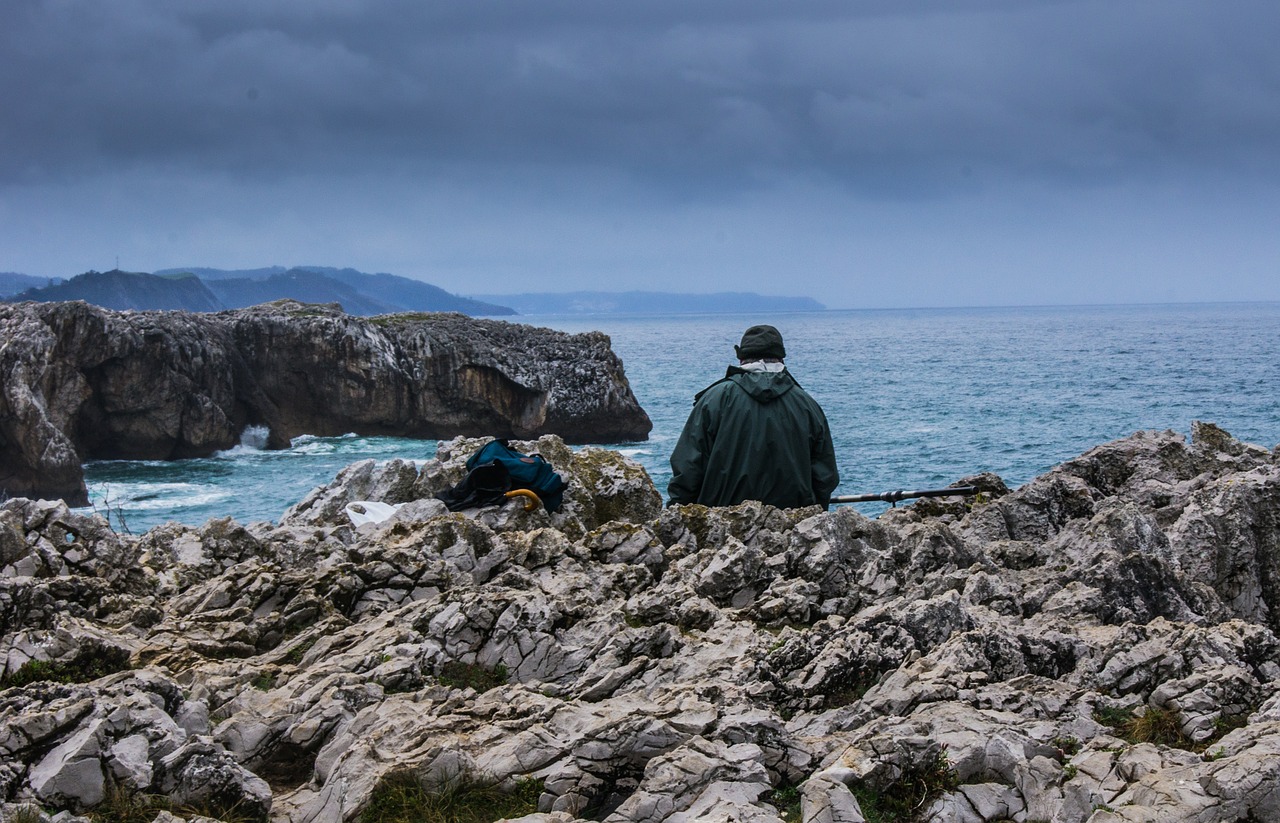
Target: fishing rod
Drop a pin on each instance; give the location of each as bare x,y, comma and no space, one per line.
900,494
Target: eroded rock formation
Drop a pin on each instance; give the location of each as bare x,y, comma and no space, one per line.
81,382
1098,645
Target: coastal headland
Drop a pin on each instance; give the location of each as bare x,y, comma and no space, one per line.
1099,644
82,382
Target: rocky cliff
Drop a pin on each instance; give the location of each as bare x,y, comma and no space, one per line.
80,382
1097,645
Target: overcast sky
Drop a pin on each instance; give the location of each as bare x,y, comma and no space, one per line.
880,153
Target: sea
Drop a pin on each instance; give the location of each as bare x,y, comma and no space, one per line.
916,398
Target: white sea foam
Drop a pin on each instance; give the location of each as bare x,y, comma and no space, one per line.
253,440
204,497
255,437
155,496
311,444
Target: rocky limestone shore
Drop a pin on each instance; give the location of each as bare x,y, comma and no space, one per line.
82,382
1100,644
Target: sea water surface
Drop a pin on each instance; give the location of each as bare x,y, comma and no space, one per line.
915,398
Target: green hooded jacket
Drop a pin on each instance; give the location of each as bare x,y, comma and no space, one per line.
754,436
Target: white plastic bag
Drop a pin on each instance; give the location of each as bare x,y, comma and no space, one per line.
369,511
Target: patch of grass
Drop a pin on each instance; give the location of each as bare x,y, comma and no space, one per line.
786,799
90,663
1068,746
1162,727
633,622
27,813
1117,717
1159,726
1226,724
400,798
905,798
265,681
294,655
125,805
472,675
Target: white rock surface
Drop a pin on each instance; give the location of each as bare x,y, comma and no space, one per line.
670,665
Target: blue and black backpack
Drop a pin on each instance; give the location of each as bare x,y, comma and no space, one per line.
496,469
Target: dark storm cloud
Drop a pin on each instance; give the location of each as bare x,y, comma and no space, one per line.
885,96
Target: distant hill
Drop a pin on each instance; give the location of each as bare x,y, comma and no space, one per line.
649,302
373,293
204,289
359,293
122,290
226,274
298,284
11,282
410,295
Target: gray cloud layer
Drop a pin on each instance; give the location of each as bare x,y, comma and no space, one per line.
676,102
868,97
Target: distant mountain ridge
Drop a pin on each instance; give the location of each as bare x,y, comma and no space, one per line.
205,290
208,274
359,293
649,302
296,284
11,282
124,290
367,294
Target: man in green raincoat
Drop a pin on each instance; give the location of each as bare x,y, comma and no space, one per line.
755,435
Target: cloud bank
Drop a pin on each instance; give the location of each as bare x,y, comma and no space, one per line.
869,153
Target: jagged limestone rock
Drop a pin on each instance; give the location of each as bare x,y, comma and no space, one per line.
1101,638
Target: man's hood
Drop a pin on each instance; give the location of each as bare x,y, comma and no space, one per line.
764,387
